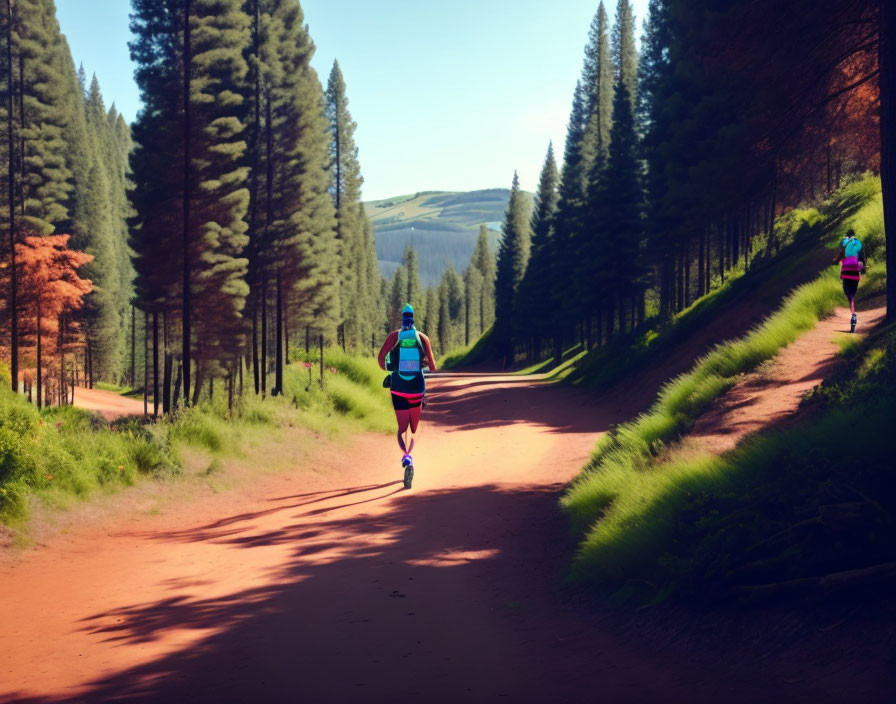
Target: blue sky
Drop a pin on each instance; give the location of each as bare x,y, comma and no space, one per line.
447,95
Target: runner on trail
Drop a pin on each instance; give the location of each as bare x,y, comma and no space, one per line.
403,354
851,258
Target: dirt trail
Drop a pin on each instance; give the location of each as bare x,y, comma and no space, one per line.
332,583
768,398
110,404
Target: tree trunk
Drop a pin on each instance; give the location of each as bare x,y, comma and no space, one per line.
264,335
278,356
177,388
166,382
887,14
11,176
155,364
286,331
39,355
610,318
145,363
188,67
255,370
701,263
133,347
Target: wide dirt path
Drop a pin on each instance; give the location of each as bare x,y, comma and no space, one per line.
332,583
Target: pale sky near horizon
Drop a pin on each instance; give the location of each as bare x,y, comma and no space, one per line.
447,96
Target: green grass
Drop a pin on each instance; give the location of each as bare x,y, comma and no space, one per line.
64,454
480,351
622,479
710,526
655,522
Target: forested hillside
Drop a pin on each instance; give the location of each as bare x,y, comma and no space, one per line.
224,223
679,159
441,226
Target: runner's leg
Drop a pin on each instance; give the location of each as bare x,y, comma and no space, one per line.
403,418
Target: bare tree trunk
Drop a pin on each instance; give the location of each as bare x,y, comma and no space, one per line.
155,364
11,175
177,388
133,347
887,14
145,363
39,355
278,356
264,334
186,322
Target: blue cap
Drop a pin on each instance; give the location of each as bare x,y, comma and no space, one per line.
407,310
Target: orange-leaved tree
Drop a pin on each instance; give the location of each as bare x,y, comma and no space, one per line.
50,291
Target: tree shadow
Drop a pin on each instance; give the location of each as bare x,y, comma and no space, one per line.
396,604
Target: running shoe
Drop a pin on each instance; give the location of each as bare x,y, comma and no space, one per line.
852,323
408,464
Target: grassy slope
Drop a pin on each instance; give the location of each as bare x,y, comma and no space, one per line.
679,525
60,455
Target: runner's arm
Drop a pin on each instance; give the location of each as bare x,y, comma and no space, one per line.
390,342
840,253
427,347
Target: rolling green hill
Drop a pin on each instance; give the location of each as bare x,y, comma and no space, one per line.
441,225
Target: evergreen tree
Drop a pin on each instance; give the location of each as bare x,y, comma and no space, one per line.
189,56
533,311
104,324
569,217
625,55
398,292
415,289
292,217
350,215
35,108
610,268
483,261
472,303
432,323
513,255
597,82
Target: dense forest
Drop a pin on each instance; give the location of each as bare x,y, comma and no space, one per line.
679,158
196,243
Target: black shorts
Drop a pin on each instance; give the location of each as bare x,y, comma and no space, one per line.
402,403
850,287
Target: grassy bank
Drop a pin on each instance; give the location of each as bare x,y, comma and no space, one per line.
616,482
656,522
60,455
792,514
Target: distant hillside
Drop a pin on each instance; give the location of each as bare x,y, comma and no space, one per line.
442,226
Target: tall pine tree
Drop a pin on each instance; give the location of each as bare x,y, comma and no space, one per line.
533,312
513,255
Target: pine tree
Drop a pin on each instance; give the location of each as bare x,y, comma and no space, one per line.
104,324
483,261
292,217
432,323
33,77
609,265
215,187
569,217
350,215
398,292
597,82
415,290
513,255
188,233
625,55
472,303
533,312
